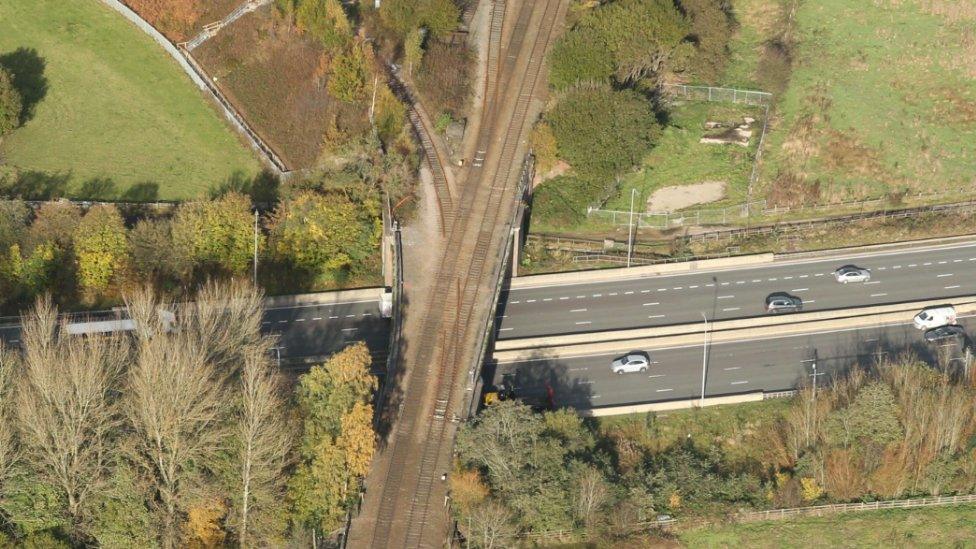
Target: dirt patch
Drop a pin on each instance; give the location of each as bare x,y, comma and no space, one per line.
677,197
277,78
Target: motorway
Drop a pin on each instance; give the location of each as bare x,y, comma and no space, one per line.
897,276
768,363
308,332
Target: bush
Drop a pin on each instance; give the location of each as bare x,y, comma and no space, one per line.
174,18
444,77
563,200
403,16
325,20
10,103
711,30
580,56
602,132
349,79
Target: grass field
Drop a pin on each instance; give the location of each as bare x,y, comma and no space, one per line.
952,526
115,116
679,159
881,98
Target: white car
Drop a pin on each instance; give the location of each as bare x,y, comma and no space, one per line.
933,317
631,363
850,273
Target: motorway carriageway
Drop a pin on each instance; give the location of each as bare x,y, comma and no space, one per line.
770,363
896,276
311,330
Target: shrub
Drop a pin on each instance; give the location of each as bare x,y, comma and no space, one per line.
10,103
403,16
602,132
444,77
101,248
580,56
174,18
711,29
349,78
325,20
563,200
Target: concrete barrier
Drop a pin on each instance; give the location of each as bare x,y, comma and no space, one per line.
625,273
322,298
869,317
671,405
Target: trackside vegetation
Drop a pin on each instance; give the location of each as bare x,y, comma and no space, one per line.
890,430
106,113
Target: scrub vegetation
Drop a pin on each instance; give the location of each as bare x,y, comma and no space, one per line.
105,112
886,431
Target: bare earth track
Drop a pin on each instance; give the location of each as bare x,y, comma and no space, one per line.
404,504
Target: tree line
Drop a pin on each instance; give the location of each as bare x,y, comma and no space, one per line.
314,237
182,437
899,428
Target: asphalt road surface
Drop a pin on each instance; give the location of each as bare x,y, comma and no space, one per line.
898,276
769,363
309,331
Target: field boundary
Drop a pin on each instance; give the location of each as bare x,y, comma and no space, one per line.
818,510
199,77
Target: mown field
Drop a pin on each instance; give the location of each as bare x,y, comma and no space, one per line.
953,526
880,97
114,116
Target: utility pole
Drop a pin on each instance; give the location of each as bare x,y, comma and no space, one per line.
255,247
704,361
813,395
630,227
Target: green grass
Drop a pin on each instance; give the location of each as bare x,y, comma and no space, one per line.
951,526
881,99
679,159
118,113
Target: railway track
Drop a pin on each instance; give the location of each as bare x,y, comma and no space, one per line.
424,430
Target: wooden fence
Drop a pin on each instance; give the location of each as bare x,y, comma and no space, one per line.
818,510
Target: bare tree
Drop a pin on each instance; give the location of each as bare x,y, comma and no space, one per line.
8,446
489,525
66,406
176,402
591,495
264,438
182,388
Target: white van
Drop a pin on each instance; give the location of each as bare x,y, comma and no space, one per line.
933,317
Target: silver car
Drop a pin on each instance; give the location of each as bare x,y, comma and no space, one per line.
631,363
851,273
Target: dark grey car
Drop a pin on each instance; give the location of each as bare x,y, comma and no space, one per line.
782,302
943,333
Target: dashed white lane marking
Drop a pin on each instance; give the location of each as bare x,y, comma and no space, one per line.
757,280
804,276
628,293
655,375
679,288
350,316
870,340
613,293
596,396
664,390
656,316
530,301
800,290
972,258
897,267
501,316
692,287
547,299
740,281
873,282
506,329
282,322
651,303
580,297
732,368
725,297
957,261
583,322
773,279
943,262
725,283
819,274
662,289
317,318
586,382
367,314
810,301
882,268
943,275
597,295
645,291
926,264
578,369
709,285
787,278
513,302
578,311
564,298
738,382
299,320
349,329
266,322
333,317
951,287
729,309
913,264
878,295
